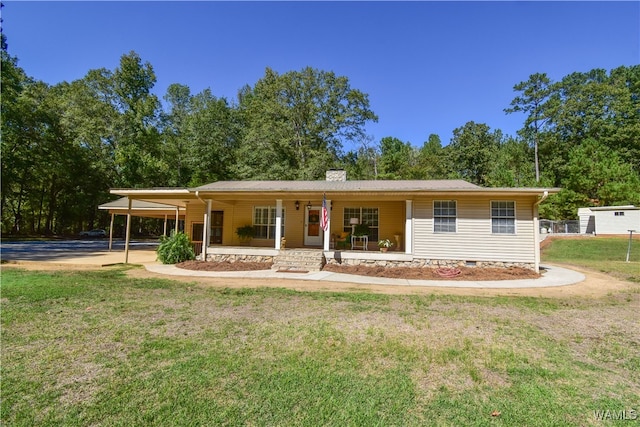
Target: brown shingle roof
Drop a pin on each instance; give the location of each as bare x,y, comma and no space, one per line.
342,186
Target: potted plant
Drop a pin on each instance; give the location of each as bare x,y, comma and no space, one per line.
384,245
245,233
361,230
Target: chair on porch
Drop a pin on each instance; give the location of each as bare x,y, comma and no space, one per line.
342,240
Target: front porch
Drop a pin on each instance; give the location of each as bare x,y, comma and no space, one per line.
303,258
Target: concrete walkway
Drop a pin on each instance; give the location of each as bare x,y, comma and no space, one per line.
552,276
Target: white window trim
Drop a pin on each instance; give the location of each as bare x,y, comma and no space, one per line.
515,216
269,208
445,216
377,227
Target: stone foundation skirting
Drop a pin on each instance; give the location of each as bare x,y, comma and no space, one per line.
428,263
239,258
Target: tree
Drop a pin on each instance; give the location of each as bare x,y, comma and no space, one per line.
472,150
512,167
362,163
396,158
138,158
432,162
597,172
15,123
295,123
213,131
175,138
535,100
599,106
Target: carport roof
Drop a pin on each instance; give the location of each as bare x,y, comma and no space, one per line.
140,208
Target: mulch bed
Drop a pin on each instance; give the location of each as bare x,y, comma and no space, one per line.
460,273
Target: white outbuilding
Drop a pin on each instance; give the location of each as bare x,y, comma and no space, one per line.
609,219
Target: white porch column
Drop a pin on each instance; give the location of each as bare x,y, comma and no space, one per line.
111,232
205,230
127,234
164,232
408,227
278,223
177,219
327,233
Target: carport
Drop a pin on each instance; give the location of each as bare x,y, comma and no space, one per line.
140,208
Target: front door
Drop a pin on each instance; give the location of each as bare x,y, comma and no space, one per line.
217,218
312,231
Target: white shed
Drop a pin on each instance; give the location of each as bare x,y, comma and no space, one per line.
609,219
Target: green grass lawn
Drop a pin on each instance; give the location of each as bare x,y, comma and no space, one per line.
603,254
102,349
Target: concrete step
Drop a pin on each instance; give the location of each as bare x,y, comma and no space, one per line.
299,260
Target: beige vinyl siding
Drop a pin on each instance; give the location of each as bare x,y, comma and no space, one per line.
473,239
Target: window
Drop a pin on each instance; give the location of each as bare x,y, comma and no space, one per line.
618,213
196,231
264,222
367,216
444,216
503,217
215,233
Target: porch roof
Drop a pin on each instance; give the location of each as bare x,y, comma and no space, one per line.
382,188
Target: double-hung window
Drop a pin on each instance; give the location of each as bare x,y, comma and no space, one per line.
264,222
503,217
444,216
368,216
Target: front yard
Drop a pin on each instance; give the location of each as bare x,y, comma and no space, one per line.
100,348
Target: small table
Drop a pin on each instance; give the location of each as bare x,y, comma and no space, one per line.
359,242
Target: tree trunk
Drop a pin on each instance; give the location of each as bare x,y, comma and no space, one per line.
52,206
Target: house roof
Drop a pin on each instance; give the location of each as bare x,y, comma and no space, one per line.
337,186
229,190
615,208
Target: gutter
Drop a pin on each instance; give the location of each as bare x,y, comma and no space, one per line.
542,199
200,198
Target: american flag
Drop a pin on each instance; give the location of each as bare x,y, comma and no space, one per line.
324,216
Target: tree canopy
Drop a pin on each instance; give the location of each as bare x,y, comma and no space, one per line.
65,145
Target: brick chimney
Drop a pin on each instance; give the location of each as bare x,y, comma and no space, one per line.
336,175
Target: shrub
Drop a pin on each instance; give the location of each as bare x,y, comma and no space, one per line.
175,249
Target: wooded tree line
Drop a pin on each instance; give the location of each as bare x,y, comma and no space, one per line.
65,145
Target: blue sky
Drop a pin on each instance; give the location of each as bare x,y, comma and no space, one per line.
428,67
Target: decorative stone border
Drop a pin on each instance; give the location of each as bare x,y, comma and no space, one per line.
355,258
427,263
239,258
